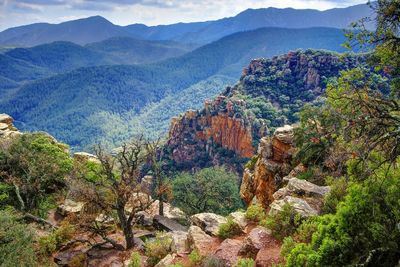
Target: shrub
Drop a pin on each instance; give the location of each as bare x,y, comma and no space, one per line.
135,260
16,241
283,223
255,212
208,190
213,261
195,257
245,263
158,248
49,244
336,195
229,229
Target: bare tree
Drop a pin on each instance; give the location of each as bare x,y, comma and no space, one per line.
115,191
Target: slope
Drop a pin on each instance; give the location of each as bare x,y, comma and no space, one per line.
66,105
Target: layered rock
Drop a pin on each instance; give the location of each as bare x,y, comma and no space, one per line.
7,128
196,137
273,163
306,198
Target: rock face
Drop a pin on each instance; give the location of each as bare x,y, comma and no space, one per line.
7,129
305,197
230,126
197,136
209,222
273,163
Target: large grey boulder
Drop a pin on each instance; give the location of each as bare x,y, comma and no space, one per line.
209,222
306,198
166,224
303,188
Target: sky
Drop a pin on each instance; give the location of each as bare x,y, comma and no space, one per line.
150,12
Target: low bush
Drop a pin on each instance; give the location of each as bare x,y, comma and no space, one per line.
229,229
135,260
284,223
245,263
255,212
51,243
195,257
158,248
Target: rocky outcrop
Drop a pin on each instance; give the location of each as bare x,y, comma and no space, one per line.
228,129
198,136
209,222
305,197
7,129
273,163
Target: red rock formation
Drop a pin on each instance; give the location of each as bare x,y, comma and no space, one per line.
274,156
196,134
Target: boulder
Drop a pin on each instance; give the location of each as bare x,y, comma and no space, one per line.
83,157
181,243
200,241
166,224
170,211
70,206
306,198
144,218
300,206
228,251
209,222
285,134
303,188
7,129
258,238
268,257
239,217
166,261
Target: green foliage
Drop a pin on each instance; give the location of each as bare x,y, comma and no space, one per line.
229,229
245,263
158,248
283,223
255,212
195,257
135,260
51,243
208,190
16,241
35,166
364,228
251,163
336,194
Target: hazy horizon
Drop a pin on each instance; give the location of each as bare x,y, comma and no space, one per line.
14,13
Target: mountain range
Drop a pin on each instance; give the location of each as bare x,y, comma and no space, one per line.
94,29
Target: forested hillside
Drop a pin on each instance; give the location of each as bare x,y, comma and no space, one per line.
89,103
